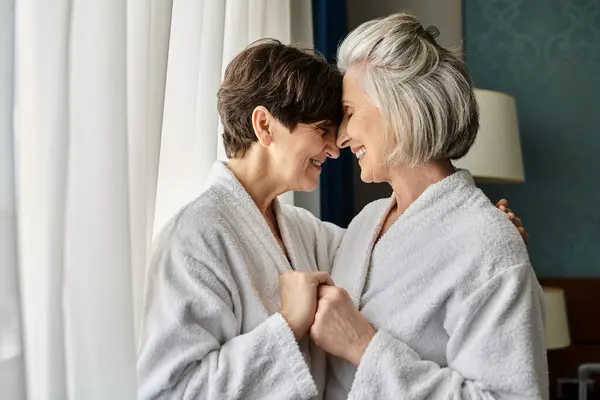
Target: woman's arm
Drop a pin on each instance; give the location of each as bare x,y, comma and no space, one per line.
496,347
190,346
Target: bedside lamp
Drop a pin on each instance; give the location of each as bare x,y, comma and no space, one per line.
496,153
557,326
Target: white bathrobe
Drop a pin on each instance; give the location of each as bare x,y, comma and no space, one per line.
451,292
212,328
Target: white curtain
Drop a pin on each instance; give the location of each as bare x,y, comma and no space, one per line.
12,378
114,129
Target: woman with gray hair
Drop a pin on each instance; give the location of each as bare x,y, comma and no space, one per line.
441,299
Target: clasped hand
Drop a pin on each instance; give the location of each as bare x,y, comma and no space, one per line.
312,304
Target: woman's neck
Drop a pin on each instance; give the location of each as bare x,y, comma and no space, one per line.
256,177
410,183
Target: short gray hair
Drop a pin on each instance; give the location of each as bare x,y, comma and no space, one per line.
423,90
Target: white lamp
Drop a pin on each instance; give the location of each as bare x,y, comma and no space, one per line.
496,153
557,325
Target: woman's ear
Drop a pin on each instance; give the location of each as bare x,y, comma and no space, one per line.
263,124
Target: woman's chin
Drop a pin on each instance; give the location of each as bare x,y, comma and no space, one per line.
310,186
366,176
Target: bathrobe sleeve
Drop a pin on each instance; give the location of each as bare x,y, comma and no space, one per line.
496,350
190,345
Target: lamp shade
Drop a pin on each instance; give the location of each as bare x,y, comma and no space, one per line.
496,153
557,326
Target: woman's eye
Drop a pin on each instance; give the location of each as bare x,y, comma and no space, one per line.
322,129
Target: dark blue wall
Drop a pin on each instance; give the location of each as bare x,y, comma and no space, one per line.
546,53
337,193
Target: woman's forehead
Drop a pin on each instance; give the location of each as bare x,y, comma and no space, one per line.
351,87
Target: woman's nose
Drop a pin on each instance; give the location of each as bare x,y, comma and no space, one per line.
331,149
343,140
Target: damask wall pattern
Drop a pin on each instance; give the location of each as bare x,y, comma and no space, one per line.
546,53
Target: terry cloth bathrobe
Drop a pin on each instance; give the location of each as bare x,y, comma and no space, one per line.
212,328
450,290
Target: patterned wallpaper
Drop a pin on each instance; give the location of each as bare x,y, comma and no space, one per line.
546,53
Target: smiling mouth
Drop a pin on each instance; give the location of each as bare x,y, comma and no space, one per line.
361,153
317,163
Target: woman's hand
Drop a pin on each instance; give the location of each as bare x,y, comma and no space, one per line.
298,291
339,328
503,206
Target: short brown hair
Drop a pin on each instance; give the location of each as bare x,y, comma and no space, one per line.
295,85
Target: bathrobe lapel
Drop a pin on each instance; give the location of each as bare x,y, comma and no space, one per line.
353,276
247,211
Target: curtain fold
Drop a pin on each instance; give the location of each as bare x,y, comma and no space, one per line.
41,118
148,32
97,283
189,132
12,358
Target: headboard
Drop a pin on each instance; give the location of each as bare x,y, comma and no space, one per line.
582,297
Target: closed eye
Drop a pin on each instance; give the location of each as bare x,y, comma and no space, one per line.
347,113
324,129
